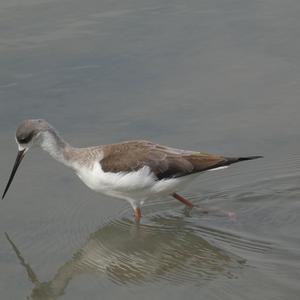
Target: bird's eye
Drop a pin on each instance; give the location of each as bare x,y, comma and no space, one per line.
25,139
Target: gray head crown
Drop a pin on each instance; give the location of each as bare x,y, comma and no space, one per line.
29,129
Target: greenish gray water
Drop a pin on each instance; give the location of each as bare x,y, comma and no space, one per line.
215,76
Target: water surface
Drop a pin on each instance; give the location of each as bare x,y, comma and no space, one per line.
215,76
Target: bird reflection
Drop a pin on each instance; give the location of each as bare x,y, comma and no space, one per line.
127,253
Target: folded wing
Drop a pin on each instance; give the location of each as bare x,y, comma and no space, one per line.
164,162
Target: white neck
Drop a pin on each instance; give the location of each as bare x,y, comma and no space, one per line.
51,142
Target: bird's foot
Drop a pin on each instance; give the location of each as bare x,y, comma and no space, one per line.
217,212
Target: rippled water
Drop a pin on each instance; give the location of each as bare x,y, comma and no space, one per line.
220,77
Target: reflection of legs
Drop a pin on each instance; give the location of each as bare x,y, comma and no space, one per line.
183,200
137,214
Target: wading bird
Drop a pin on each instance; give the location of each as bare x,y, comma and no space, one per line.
135,170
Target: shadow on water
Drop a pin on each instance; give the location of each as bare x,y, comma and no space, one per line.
125,253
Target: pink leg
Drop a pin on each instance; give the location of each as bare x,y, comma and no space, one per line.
137,214
183,200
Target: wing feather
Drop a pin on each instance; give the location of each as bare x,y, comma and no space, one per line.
164,162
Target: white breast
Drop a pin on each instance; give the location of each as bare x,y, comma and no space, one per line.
116,183
138,186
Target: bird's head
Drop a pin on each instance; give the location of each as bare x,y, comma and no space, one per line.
28,134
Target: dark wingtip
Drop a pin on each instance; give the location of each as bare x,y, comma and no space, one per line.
233,160
249,157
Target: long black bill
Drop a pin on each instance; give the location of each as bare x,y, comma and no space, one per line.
19,158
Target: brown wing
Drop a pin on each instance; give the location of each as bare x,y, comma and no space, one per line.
163,161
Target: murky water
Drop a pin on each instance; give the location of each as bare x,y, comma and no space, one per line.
215,76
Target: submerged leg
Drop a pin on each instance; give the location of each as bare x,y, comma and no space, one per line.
189,205
183,200
137,214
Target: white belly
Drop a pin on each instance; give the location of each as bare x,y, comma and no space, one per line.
135,187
